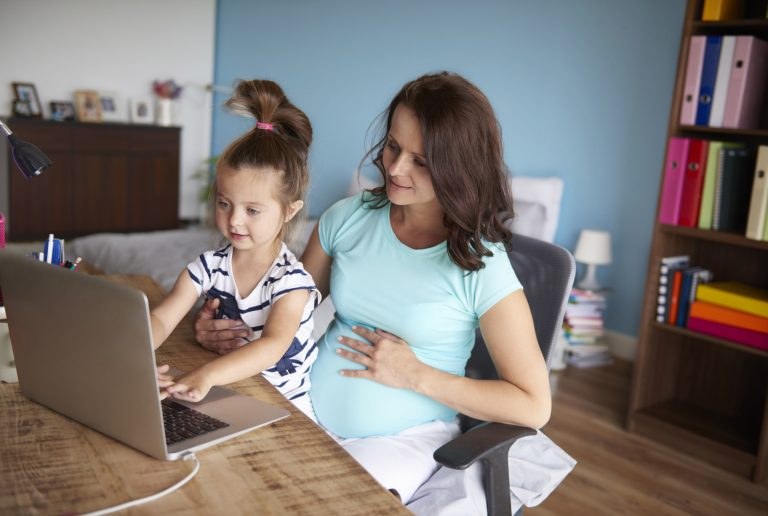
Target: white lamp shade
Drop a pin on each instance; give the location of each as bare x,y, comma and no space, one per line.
593,247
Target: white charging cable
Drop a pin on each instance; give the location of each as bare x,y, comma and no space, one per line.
151,498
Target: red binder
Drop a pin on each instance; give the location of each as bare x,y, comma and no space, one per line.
693,180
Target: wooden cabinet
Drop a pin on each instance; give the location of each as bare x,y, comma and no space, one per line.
699,394
104,177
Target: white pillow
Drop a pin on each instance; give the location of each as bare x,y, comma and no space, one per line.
537,205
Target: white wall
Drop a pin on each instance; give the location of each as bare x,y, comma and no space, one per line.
118,46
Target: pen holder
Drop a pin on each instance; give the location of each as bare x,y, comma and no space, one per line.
7,364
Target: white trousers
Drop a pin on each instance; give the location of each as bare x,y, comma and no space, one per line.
403,462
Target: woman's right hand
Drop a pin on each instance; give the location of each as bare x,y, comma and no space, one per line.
219,335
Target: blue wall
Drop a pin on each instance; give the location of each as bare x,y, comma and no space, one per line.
582,91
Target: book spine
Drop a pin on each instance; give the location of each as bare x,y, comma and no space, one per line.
752,304
731,333
682,303
721,81
692,82
718,193
749,72
674,298
758,203
720,10
723,315
693,180
708,76
735,188
667,266
672,186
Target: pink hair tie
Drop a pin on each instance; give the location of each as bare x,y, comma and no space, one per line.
265,126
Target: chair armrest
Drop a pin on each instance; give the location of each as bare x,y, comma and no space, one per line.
489,443
482,442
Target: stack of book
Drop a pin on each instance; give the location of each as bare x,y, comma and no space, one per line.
583,329
733,311
716,185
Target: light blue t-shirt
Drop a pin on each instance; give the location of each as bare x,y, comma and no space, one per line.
419,295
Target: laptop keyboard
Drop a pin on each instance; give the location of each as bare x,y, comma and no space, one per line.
182,422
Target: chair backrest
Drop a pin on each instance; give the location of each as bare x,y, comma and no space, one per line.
546,271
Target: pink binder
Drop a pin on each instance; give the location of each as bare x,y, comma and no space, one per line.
742,336
692,80
674,173
749,72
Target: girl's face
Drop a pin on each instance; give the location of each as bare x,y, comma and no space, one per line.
248,212
408,180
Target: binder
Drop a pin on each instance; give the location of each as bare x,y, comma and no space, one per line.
758,203
724,315
693,178
749,72
720,10
733,187
669,203
714,163
735,295
721,81
708,75
727,332
692,82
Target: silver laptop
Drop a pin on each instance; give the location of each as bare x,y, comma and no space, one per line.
83,347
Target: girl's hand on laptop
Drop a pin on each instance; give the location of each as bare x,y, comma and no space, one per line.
220,335
192,386
164,380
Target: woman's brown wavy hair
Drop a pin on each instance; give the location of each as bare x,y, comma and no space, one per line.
464,154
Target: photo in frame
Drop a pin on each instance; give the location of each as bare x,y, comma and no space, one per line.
26,91
62,111
112,107
141,110
21,108
88,106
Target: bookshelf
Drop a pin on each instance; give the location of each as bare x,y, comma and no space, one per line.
696,393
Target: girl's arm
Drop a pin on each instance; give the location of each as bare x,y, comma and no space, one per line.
173,308
278,333
224,335
520,396
317,263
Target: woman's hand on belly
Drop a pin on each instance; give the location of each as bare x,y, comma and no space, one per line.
387,359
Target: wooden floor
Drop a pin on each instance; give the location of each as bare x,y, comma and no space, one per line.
623,473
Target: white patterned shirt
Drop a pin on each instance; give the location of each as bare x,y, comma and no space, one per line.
212,275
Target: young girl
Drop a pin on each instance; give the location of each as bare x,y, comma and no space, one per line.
259,186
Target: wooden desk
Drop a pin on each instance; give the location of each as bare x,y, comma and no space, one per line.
50,464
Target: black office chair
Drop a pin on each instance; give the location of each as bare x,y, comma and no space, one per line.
546,271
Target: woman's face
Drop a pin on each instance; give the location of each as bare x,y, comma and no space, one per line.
408,180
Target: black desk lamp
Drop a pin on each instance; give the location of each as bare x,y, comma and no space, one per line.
29,159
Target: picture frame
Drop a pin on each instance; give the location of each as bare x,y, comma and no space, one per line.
26,91
21,108
88,106
62,110
112,107
141,110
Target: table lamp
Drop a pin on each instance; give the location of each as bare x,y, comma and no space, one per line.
592,249
31,161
